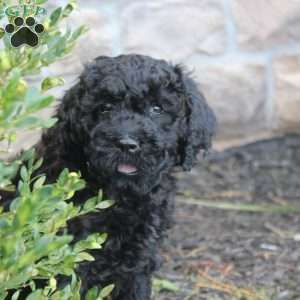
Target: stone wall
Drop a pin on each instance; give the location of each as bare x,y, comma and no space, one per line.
244,54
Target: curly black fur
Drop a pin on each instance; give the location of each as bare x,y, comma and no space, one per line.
165,121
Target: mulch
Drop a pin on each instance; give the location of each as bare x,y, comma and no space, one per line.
225,254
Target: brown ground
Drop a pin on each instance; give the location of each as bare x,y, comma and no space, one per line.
237,255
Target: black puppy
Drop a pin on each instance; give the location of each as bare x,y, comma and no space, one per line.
125,125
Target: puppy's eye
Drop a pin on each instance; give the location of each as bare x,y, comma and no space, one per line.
106,108
156,110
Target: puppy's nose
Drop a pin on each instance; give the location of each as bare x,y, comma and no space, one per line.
129,144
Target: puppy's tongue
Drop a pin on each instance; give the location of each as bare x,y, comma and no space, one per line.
127,169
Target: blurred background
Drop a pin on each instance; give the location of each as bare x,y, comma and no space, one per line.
244,54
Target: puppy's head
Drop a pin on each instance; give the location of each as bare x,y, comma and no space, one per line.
133,118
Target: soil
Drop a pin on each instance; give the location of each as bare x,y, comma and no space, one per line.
231,254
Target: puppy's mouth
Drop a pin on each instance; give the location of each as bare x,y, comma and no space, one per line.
127,169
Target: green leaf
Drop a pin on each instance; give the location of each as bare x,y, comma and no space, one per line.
36,295
93,241
84,256
105,204
78,32
5,63
27,122
27,155
38,183
40,2
3,295
13,82
38,164
106,291
52,82
100,195
102,238
55,16
92,294
2,32
163,284
34,122
14,204
52,283
15,295
49,123
90,204
69,9
32,285
4,224
24,173
24,214
35,101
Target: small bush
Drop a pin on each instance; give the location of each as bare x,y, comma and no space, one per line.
34,241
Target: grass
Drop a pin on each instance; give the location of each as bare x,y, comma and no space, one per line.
254,208
219,289
216,289
206,282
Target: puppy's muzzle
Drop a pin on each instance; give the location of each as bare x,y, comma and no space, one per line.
129,145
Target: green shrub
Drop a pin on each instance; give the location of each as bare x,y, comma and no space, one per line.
34,243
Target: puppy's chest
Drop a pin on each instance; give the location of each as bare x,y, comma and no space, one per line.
122,222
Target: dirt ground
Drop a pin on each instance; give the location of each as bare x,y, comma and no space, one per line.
226,254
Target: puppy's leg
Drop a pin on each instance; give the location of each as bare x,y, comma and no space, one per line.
136,287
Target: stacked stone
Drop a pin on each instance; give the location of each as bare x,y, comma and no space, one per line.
244,54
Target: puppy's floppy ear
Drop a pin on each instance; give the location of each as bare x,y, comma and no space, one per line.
198,125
